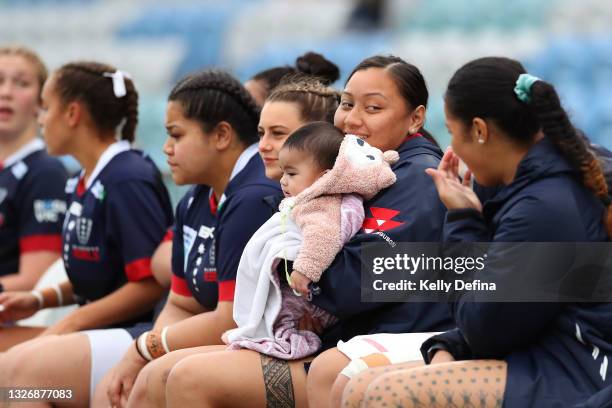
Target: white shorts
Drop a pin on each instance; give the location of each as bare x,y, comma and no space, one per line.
107,348
396,347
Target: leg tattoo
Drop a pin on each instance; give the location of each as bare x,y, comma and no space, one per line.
279,386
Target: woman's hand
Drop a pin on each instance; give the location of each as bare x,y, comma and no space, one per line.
454,193
17,305
124,376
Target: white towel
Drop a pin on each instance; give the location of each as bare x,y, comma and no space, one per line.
257,299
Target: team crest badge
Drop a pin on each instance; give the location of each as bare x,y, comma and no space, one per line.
83,230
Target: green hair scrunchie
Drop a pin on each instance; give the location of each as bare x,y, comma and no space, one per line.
523,87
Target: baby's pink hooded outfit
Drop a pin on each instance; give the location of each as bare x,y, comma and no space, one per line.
327,214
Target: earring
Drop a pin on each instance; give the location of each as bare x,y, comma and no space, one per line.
481,141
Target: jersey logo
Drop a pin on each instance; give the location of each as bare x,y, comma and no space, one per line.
49,210
19,170
211,254
83,226
76,209
206,232
210,275
91,254
189,236
3,194
98,190
71,185
381,220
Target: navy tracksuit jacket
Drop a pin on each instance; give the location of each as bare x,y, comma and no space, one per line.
558,354
408,211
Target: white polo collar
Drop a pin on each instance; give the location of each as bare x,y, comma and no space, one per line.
25,150
110,152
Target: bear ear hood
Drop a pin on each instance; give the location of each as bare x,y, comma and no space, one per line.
359,168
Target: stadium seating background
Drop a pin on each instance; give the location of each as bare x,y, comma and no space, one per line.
563,41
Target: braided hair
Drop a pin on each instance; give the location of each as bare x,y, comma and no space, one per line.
485,88
89,83
316,101
213,96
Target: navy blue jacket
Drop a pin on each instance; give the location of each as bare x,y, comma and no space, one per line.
408,211
556,353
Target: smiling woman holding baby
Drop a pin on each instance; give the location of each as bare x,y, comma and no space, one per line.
384,103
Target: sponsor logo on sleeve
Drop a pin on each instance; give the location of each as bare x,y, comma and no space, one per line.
381,220
49,210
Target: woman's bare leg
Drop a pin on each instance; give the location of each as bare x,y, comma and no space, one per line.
234,379
477,383
350,392
50,362
150,386
321,376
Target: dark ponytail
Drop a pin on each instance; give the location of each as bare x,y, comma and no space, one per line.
310,64
408,80
485,88
557,126
90,83
213,96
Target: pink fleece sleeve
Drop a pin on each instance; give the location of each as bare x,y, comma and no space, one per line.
351,216
320,225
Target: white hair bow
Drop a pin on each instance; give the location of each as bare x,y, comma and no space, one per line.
118,78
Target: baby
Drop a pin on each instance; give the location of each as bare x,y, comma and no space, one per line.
325,176
307,155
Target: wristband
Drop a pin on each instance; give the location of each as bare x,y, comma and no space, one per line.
154,345
138,350
39,297
142,346
58,292
164,339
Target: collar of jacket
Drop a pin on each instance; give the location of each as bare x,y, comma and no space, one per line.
541,161
414,147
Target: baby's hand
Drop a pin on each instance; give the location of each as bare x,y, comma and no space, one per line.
300,283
